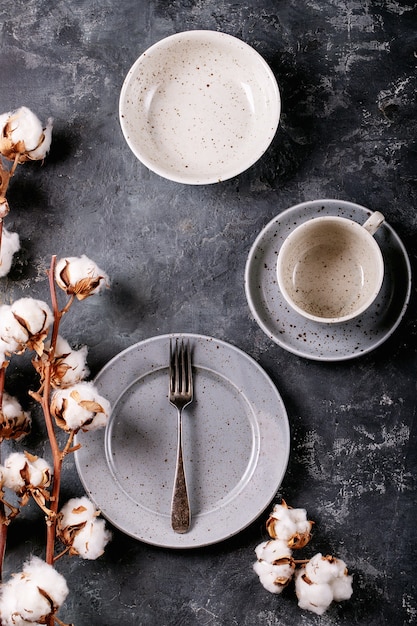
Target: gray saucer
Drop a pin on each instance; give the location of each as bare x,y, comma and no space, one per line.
312,340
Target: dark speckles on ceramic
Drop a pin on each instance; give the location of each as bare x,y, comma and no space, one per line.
199,107
236,443
314,340
330,269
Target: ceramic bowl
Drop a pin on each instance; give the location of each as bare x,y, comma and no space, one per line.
199,107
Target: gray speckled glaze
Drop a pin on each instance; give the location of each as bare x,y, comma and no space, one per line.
236,443
317,340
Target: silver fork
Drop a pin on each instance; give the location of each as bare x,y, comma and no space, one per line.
180,395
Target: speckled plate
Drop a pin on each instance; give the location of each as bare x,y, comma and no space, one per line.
236,443
312,340
199,107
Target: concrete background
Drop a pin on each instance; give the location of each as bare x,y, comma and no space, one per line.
347,75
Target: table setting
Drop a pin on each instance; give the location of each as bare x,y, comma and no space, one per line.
207,315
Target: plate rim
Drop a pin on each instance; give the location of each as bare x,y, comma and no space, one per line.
314,204
194,34
284,428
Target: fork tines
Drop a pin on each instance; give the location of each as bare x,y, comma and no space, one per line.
181,381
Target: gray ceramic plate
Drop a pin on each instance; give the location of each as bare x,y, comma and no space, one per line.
236,443
312,340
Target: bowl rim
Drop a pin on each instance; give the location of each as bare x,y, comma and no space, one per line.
212,36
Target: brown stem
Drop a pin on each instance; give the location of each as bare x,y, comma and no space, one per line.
57,466
68,446
5,176
14,166
58,314
3,517
61,554
2,381
57,455
3,537
55,308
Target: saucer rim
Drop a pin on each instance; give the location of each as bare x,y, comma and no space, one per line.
314,205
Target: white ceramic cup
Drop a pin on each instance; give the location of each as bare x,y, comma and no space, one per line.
330,269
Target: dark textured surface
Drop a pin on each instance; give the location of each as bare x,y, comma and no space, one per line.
347,74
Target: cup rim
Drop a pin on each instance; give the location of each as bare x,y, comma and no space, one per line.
357,312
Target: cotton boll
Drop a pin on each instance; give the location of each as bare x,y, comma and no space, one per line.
80,276
342,588
325,569
23,137
272,550
290,525
10,244
12,334
75,360
274,578
311,596
284,527
47,578
322,569
23,470
13,466
322,580
275,565
40,152
35,315
67,367
14,422
26,127
90,541
38,591
21,604
79,528
25,324
80,406
76,511
39,472
2,475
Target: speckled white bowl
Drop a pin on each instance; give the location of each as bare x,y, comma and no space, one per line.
199,107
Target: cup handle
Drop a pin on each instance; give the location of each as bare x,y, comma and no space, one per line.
374,222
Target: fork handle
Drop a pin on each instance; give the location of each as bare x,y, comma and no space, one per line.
180,510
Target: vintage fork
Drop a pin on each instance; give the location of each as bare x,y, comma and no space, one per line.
180,395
